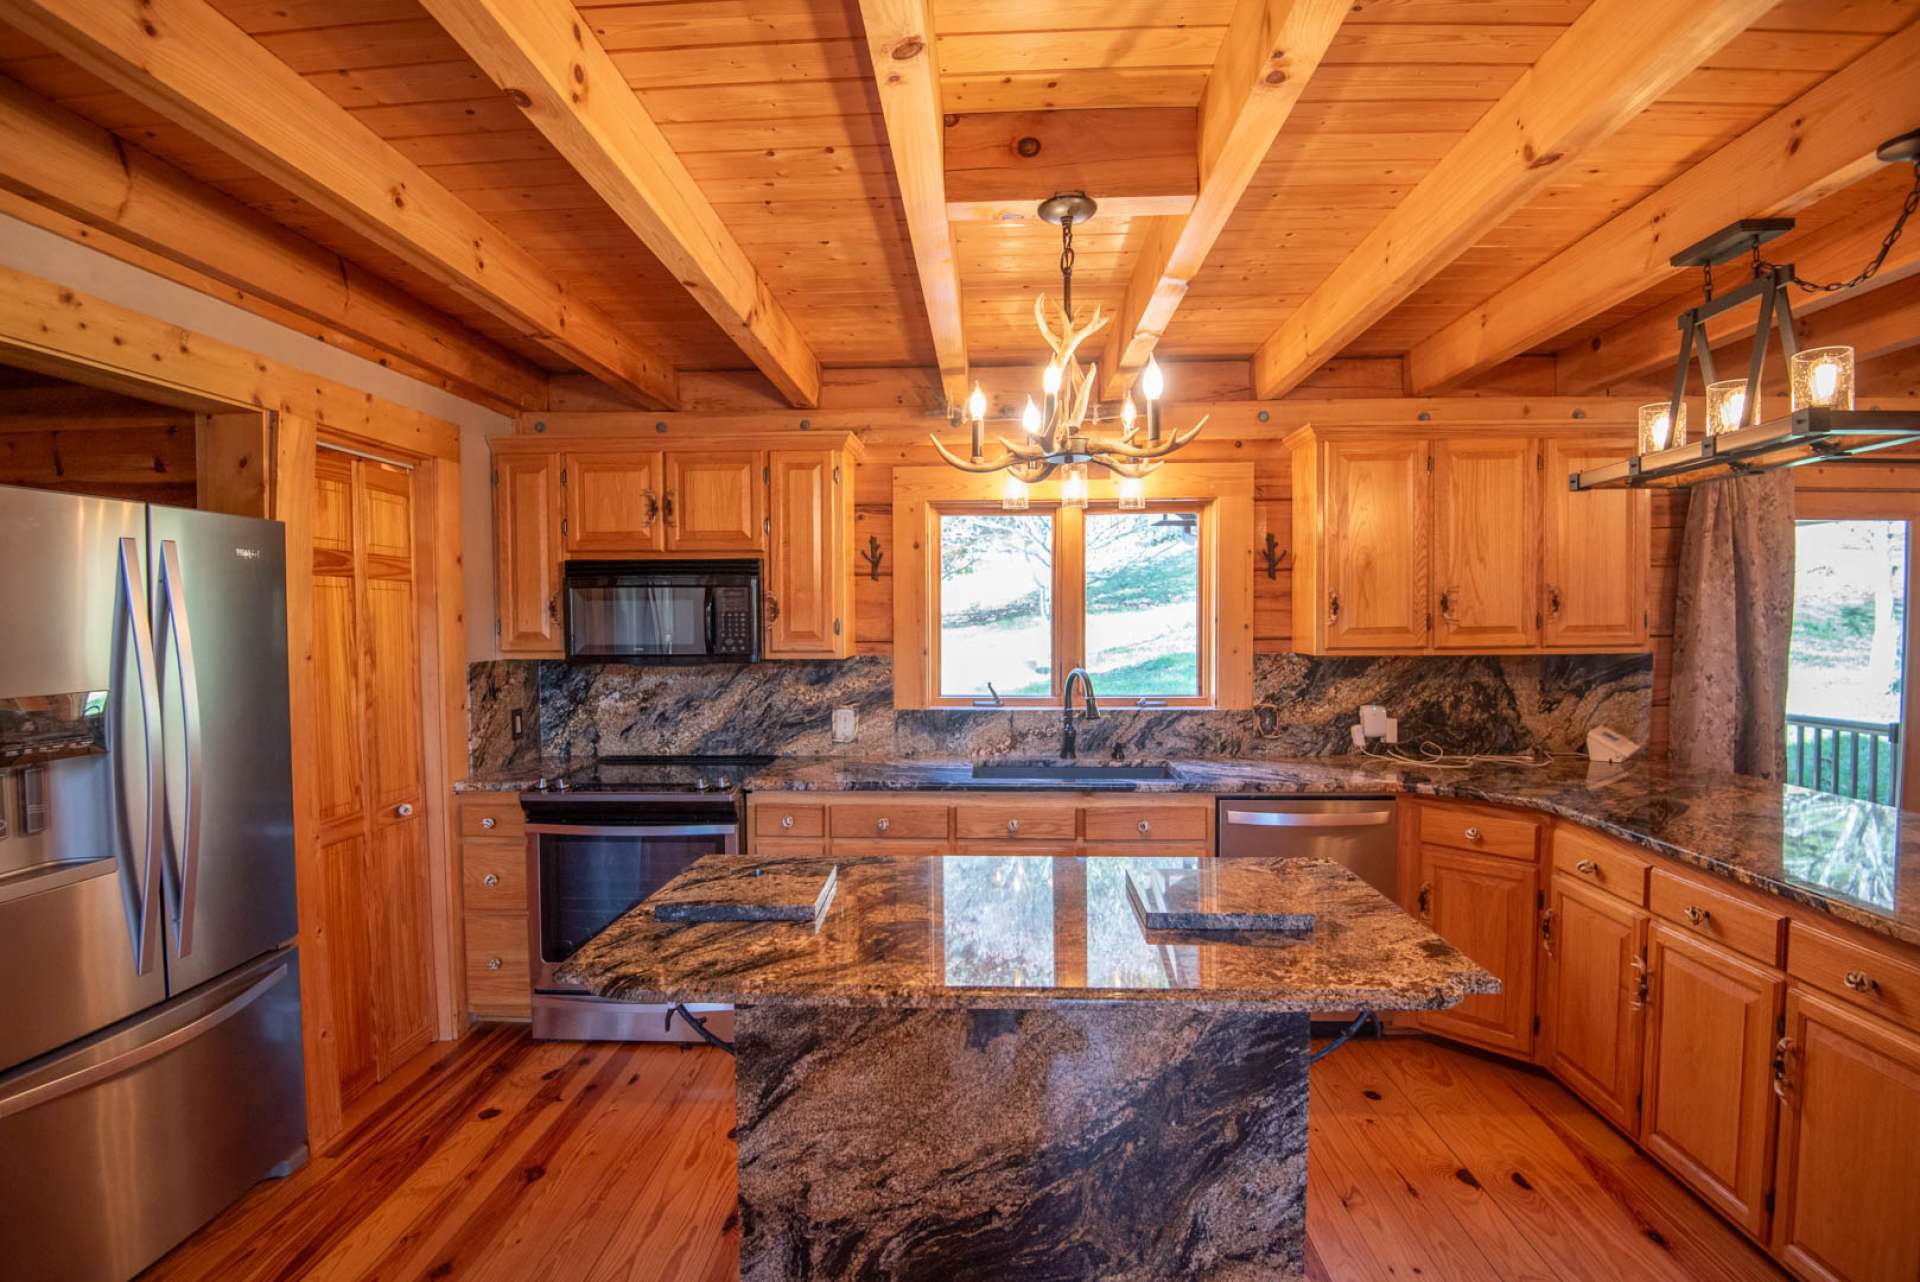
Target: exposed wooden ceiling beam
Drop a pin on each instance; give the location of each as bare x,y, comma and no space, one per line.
80,170
184,59
1615,60
1651,341
1812,147
1269,53
900,41
1134,161
548,61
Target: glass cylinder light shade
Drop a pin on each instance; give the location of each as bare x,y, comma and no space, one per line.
1656,432
1727,409
1822,378
1133,495
1073,485
1013,494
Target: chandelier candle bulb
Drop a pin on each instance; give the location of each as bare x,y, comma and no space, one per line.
1013,494
977,412
1126,415
1727,408
1073,486
1153,383
1822,378
1657,432
1030,418
1133,495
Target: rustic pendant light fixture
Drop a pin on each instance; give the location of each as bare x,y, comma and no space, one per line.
1822,424
1055,433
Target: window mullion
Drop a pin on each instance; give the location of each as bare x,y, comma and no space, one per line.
1070,592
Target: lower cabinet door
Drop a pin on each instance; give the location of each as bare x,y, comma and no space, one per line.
1596,1000
1484,905
1709,1110
1848,1182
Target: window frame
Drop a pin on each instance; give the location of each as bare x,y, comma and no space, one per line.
1219,494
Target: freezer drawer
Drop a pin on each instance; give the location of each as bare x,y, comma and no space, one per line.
117,1150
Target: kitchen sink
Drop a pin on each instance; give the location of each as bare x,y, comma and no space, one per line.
1070,772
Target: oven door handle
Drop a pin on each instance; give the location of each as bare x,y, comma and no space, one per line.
633,830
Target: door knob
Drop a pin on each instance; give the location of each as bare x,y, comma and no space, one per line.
488,822
404,810
491,879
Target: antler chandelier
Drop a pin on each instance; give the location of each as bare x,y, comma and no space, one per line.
1057,433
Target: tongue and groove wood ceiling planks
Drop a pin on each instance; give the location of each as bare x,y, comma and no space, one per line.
773,108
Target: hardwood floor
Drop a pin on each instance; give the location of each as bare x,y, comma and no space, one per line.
500,1158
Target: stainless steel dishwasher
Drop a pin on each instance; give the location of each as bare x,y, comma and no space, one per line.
1360,832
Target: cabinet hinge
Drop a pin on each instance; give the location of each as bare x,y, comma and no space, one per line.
836,476
1639,1101
496,629
1779,1025
1539,899
1429,462
1540,462
766,525
1769,1201
836,627
1536,1025
766,475
1429,620
563,476
1538,620
563,527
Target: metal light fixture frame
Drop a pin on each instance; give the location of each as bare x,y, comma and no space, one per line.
1062,439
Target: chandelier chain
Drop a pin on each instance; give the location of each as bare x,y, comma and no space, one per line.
1066,267
1760,265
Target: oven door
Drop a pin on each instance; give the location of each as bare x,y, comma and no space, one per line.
580,878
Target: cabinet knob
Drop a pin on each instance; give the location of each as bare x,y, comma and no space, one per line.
1473,834
489,822
404,810
1446,604
1588,867
1553,602
1013,825
1426,900
1333,607
494,963
1859,981
883,824
653,508
773,608
786,821
1145,827
491,879
1639,998
1697,916
666,506
1781,1050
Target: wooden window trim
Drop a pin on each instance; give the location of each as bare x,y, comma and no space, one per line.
1220,493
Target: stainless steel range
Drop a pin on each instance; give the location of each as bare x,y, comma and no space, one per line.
600,840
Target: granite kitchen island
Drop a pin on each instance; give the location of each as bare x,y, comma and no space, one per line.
974,1067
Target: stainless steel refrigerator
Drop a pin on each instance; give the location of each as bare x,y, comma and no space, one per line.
150,1064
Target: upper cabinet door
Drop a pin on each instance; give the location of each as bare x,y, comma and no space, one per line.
1376,545
1594,567
1485,544
809,592
613,501
526,522
715,501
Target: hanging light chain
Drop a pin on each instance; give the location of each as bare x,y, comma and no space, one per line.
1761,266
1066,267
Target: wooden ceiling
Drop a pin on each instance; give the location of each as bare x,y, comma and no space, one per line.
774,108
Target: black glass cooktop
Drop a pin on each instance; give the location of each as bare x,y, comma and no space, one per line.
667,773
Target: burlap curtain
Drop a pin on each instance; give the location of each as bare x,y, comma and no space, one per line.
1733,622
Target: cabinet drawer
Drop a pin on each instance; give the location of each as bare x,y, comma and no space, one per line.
1867,976
493,875
1016,821
775,819
881,821
1487,831
1714,914
1592,860
1146,822
496,816
498,982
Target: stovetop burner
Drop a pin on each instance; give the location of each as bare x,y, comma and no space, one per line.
665,773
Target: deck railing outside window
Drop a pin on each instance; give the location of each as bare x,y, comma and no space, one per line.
1847,758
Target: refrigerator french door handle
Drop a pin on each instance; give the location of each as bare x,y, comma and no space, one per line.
138,882
183,887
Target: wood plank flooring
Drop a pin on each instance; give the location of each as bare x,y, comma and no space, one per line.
499,1158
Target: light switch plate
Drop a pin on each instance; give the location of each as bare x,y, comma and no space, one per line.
845,724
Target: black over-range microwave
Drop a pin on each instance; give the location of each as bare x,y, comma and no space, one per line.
663,611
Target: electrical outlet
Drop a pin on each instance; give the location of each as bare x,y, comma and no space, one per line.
845,725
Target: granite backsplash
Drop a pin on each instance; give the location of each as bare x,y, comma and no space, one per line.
574,712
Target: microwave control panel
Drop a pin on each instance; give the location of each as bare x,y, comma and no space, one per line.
733,621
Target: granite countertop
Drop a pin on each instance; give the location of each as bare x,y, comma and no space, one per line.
1854,860
1026,932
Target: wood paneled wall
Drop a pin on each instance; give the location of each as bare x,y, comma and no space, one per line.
62,436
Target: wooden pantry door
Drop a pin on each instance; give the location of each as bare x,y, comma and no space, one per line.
371,769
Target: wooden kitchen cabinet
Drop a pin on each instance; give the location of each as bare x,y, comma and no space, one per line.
1593,553
1847,1181
1712,1019
613,501
1484,905
526,527
1485,566
1595,1001
1360,544
809,580
715,501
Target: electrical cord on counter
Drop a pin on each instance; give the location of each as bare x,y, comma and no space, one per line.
1434,757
